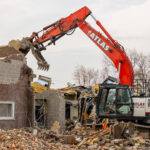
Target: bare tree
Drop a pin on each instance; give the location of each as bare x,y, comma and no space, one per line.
96,77
108,69
143,68
140,63
86,76
90,75
104,73
133,56
77,76
80,75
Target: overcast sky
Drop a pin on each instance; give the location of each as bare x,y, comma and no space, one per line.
128,21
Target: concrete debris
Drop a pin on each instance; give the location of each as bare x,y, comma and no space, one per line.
69,125
78,126
70,139
23,139
8,51
122,129
23,45
56,127
106,139
78,138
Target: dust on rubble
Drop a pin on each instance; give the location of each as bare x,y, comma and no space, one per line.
7,51
81,137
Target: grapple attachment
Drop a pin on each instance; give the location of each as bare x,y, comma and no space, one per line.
24,46
42,64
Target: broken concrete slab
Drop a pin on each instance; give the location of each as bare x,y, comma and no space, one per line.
69,139
55,127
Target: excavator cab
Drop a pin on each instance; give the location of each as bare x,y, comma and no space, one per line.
114,101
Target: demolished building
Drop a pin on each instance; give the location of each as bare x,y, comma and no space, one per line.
49,105
20,106
16,98
71,106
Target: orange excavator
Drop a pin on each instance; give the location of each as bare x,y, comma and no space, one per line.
66,26
114,101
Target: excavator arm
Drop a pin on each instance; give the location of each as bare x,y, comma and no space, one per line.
113,50
66,26
58,29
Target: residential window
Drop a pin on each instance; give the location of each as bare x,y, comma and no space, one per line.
6,110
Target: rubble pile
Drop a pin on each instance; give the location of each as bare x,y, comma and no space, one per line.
19,139
88,138
81,137
24,139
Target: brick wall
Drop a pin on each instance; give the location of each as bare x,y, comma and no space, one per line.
14,88
10,71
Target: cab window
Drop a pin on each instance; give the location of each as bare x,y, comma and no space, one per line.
111,96
124,96
110,102
124,102
103,98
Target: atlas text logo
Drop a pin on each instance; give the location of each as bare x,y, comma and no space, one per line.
98,40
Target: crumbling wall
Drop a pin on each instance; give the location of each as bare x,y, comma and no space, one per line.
55,107
14,85
73,108
10,71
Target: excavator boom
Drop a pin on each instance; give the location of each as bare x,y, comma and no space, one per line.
114,51
61,27
51,33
